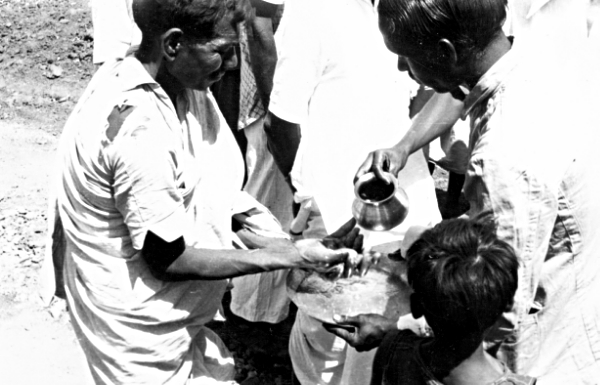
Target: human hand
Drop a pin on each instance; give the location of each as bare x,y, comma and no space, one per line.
348,236
363,332
328,254
390,160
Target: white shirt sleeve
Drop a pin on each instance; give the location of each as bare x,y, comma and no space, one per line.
300,63
146,187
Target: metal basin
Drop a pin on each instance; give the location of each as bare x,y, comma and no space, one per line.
383,290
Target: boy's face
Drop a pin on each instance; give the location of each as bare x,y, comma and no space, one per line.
426,66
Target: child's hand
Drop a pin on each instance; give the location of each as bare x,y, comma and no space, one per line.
363,332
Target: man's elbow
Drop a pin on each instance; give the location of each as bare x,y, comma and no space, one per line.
159,255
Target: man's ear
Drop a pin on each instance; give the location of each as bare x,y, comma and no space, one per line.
447,51
171,43
416,308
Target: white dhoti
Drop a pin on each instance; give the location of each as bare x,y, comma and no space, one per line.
262,297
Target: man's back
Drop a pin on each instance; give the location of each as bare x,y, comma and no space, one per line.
534,168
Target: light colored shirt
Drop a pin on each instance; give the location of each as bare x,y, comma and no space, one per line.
534,170
336,78
150,167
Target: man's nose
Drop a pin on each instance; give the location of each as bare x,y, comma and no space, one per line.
402,64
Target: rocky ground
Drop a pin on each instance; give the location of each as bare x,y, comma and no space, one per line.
45,63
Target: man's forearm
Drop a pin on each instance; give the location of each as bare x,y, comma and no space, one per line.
219,264
263,56
174,261
436,117
283,141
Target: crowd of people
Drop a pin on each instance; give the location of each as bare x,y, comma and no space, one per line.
216,147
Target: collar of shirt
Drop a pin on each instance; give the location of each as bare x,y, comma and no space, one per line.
133,74
489,82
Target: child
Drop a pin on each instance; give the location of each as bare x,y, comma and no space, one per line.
463,278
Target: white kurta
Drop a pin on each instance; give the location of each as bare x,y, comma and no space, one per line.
175,173
341,84
336,78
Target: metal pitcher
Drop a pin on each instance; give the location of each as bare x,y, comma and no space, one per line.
379,206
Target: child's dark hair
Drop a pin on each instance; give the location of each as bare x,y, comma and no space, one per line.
463,277
469,24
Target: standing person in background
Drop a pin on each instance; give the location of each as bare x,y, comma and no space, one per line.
115,30
336,82
261,297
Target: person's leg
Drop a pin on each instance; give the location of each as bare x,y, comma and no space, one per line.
212,361
263,297
317,356
358,367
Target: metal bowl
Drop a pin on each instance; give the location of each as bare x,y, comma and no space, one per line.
377,205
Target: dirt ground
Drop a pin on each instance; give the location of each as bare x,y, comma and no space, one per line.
45,63
43,69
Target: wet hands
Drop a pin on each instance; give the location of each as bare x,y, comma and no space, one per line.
337,255
363,332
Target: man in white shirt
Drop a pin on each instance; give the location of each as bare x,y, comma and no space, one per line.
335,79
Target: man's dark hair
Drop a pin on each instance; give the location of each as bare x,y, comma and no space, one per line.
463,276
196,18
469,24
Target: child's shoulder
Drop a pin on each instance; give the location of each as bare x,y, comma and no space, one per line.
397,361
401,341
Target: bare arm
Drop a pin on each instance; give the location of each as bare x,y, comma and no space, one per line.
283,141
174,261
438,115
263,54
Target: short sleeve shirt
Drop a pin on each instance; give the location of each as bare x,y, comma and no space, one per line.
130,163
